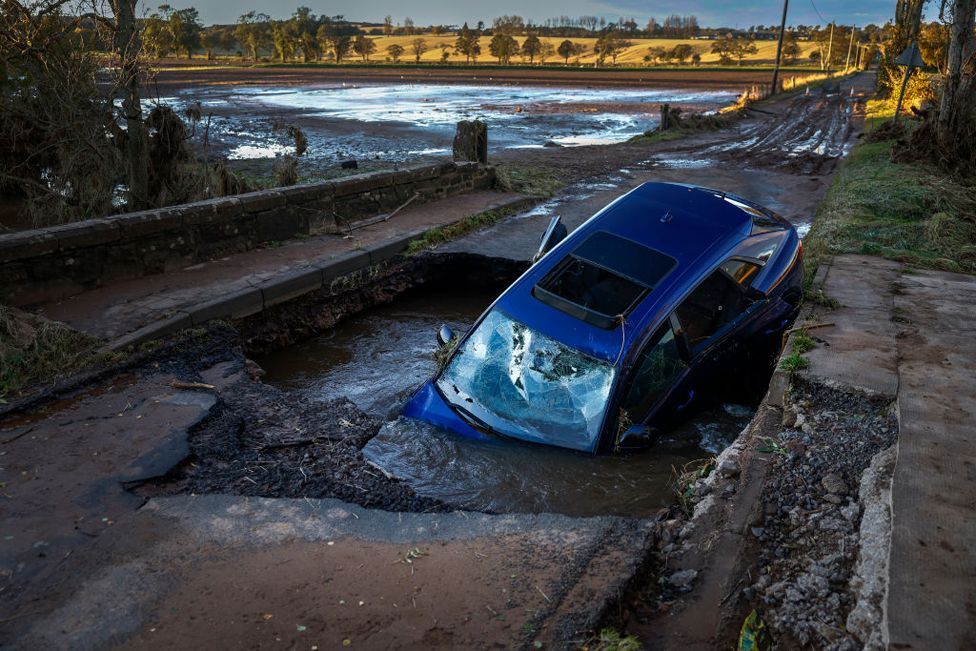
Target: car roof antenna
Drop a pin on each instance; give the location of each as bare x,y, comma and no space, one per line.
667,217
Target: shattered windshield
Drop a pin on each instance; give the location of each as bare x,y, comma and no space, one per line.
518,382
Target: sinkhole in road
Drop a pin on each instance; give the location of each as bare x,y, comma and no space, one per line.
378,357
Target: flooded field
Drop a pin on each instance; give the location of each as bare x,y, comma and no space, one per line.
399,122
378,359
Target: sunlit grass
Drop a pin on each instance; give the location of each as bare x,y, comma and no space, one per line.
909,212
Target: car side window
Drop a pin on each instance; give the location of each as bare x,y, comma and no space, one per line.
654,372
717,301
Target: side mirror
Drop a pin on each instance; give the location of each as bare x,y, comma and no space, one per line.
636,437
754,294
555,233
444,336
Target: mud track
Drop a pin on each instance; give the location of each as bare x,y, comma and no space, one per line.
805,134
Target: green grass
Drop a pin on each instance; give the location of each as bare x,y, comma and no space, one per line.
411,65
802,343
908,212
651,137
794,362
441,234
611,640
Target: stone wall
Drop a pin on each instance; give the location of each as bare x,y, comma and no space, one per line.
53,263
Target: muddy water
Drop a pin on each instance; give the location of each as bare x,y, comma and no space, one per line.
378,358
397,122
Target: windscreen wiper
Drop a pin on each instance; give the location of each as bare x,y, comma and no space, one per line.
471,418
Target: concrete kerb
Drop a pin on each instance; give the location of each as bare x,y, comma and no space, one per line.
239,304
179,321
342,265
291,285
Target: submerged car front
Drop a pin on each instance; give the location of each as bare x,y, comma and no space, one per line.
614,330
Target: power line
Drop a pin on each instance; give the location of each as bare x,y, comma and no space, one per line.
818,11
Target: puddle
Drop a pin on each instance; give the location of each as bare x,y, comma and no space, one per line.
683,163
378,358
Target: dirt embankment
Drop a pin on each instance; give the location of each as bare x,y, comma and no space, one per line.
172,78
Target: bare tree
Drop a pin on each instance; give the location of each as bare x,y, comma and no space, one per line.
56,158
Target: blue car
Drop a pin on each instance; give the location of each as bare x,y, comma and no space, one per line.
651,305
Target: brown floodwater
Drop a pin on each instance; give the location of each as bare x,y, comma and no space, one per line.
379,358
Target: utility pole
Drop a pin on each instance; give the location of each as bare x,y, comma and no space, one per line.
830,46
779,49
847,64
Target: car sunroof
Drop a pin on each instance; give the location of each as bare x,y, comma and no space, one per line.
605,276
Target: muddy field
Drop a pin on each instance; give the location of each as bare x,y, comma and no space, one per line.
172,77
390,123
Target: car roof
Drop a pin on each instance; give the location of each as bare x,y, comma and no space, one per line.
699,228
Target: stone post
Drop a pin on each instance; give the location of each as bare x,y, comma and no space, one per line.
471,141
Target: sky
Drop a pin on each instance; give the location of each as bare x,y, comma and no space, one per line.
725,13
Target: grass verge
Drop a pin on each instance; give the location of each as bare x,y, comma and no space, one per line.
908,212
802,343
442,234
35,350
532,179
471,223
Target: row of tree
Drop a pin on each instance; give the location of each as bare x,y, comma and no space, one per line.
309,37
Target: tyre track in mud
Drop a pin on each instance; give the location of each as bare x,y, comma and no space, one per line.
805,134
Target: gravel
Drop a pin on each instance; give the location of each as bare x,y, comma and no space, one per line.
809,533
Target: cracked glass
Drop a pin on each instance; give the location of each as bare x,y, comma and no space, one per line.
519,382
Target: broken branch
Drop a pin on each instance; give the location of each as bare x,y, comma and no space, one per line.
178,384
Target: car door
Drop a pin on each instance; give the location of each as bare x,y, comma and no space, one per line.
713,314
658,377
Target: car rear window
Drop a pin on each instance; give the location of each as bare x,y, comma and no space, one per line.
604,277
